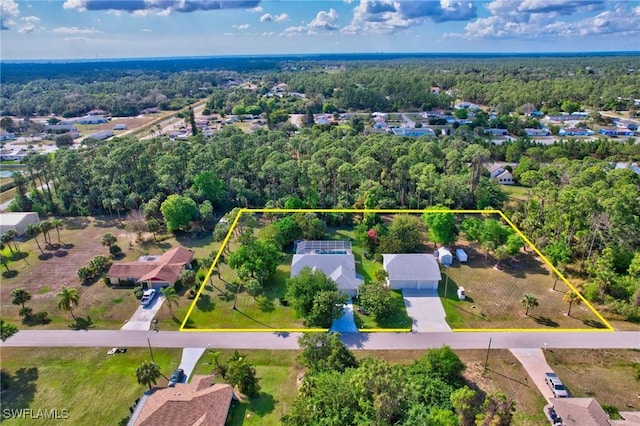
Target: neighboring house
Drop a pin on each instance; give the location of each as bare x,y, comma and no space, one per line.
413,132
334,258
498,168
468,105
17,221
505,178
153,271
573,131
627,124
151,110
195,403
616,132
576,116
97,112
6,136
635,167
411,271
14,153
496,132
92,119
120,126
101,135
61,128
537,132
580,411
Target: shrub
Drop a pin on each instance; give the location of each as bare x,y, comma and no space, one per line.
115,251
106,280
26,312
42,317
137,290
611,411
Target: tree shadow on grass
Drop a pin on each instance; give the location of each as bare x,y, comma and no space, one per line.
262,404
19,255
252,319
545,321
593,323
76,223
9,274
265,304
205,304
509,378
82,323
20,388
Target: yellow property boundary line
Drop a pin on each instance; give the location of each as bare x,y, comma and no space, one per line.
387,330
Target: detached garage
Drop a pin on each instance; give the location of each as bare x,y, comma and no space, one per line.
17,221
411,271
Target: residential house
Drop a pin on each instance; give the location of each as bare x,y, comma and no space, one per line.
120,126
413,132
92,119
14,153
635,167
6,136
61,128
576,116
537,132
334,258
580,411
613,132
467,105
496,132
17,221
627,124
505,178
152,110
196,403
411,271
97,112
153,271
573,131
101,135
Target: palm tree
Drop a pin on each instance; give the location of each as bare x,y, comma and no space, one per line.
58,224
571,297
148,373
6,239
32,231
68,298
45,227
172,297
13,237
528,301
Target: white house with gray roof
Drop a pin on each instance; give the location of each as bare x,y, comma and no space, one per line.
411,271
334,258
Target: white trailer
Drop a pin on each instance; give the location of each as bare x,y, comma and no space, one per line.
461,255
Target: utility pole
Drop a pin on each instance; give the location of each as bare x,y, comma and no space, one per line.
486,360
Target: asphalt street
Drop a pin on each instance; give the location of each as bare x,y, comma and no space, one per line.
365,341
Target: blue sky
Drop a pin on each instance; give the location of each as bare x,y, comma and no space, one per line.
72,29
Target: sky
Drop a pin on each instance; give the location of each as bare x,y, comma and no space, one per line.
99,29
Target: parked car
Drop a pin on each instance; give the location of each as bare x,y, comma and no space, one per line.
147,297
556,385
176,377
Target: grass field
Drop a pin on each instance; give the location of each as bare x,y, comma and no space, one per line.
493,295
95,388
516,192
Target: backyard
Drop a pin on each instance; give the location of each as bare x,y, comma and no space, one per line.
493,295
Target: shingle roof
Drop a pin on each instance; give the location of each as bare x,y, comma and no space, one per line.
341,268
166,268
189,404
580,411
406,267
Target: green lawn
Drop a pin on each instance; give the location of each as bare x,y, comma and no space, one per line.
214,308
94,387
516,192
493,296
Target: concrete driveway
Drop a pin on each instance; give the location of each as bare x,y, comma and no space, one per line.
190,357
346,323
534,362
141,319
426,310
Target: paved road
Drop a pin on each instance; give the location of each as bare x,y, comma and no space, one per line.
371,341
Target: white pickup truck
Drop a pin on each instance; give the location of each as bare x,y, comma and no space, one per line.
554,382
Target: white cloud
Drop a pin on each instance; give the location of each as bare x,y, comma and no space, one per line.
29,24
324,21
74,39
257,9
538,19
75,30
162,7
146,30
241,26
267,17
9,11
268,34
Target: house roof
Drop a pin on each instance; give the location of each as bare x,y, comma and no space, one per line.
165,268
11,219
195,403
319,246
580,411
407,267
341,268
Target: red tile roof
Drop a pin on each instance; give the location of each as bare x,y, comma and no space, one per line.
166,268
